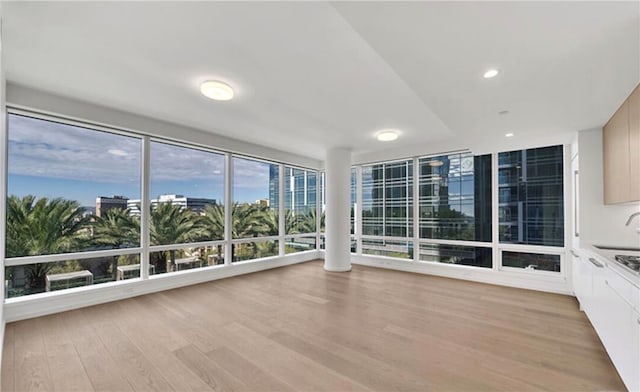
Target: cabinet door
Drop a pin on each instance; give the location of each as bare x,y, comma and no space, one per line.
582,281
634,145
616,157
634,384
618,333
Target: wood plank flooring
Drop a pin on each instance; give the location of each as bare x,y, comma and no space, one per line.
300,328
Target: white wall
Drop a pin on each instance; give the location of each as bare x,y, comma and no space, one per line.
49,103
600,223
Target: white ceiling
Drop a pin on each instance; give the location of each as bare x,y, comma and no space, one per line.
310,76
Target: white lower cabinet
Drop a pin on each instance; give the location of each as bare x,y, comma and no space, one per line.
611,304
582,276
634,379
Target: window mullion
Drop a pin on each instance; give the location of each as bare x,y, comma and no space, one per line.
228,208
281,212
145,210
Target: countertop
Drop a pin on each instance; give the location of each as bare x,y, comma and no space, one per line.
608,256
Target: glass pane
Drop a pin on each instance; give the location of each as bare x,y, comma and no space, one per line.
300,201
457,254
61,275
184,259
531,196
353,199
536,261
299,244
387,199
59,177
397,249
455,197
323,193
254,250
255,198
187,191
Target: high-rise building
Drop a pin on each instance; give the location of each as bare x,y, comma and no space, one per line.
105,203
274,187
196,204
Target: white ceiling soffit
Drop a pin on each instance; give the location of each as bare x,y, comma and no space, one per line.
310,76
304,80
564,66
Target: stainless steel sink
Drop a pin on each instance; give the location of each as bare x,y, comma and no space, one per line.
620,248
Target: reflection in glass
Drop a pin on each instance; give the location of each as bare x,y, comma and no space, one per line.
59,176
187,188
455,197
256,193
535,261
299,244
456,254
43,277
184,259
397,249
387,199
254,250
300,200
531,197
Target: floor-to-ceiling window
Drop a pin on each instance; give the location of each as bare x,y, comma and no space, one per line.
387,209
67,219
79,196
531,200
300,200
455,209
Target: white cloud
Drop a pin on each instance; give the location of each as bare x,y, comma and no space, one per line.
55,150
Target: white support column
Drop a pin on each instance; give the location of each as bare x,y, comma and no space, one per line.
145,208
228,208
337,256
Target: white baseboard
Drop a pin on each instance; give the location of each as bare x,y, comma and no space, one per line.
54,302
552,284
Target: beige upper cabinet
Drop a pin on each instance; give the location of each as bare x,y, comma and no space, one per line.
621,148
634,144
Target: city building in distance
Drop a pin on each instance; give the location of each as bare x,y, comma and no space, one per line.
196,204
105,203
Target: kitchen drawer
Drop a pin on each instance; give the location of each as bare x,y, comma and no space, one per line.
625,289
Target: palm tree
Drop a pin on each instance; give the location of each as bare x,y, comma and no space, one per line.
213,223
41,227
172,224
116,229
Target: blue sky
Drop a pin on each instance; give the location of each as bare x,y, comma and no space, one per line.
48,159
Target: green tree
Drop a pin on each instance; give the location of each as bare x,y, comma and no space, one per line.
172,224
41,227
116,229
213,224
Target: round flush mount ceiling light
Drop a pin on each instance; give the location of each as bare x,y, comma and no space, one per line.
491,73
216,90
509,134
387,135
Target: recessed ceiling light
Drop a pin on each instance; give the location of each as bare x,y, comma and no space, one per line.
436,163
491,73
509,134
388,135
216,90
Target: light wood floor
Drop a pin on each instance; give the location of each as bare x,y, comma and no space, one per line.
300,328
